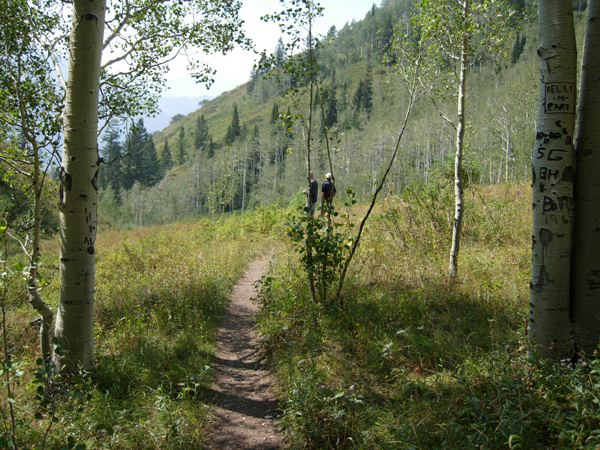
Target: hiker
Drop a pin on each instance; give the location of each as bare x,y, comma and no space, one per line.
327,194
311,194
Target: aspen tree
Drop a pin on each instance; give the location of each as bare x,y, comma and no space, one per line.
78,187
585,265
553,175
144,35
455,35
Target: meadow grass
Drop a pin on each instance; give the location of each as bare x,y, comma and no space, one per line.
403,360
407,360
160,292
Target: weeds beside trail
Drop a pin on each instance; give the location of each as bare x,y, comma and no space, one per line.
409,363
406,363
159,294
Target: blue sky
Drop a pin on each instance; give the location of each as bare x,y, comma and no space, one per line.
234,68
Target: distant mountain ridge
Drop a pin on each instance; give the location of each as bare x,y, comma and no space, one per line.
171,106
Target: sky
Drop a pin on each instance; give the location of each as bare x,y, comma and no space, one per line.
234,68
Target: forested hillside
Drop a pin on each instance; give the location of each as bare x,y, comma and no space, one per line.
244,147
379,345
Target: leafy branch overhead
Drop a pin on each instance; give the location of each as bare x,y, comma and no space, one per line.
144,36
445,29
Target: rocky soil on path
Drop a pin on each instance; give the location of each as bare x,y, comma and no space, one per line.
243,393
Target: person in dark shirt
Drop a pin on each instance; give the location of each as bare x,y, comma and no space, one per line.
327,194
312,194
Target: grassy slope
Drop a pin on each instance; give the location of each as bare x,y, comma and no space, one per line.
407,361
159,293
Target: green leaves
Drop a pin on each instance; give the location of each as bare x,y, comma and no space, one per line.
322,245
159,30
446,28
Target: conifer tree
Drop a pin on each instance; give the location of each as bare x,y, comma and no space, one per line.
110,173
181,153
201,138
234,129
279,56
252,81
166,158
255,155
367,91
518,48
275,112
150,166
211,147
331,112
132,163
357,100
343,101
387,35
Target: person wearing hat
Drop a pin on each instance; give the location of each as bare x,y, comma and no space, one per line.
327,194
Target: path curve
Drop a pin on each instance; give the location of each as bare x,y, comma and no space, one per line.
243,392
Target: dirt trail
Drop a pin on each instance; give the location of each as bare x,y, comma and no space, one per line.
245,406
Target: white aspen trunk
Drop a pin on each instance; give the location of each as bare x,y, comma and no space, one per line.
198,185
460,138
311,68
507,154
142,207
78,187
552,186
585,265
244,180
35,300
500,171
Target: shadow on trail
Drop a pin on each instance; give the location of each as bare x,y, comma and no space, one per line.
257,365
262,409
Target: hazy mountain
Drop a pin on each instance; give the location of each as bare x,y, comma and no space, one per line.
171,106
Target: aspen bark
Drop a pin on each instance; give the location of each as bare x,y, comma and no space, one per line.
78,187
552,184
585,267
35,300
460,139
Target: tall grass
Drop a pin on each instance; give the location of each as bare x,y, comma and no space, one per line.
407,362
159,293
411,362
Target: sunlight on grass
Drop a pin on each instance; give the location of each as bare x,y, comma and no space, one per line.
160,292
404,360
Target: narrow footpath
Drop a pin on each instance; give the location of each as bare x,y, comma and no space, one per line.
245,407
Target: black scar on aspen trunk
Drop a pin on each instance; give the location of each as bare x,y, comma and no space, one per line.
66,183
545,239
543,280
95,180
545,236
